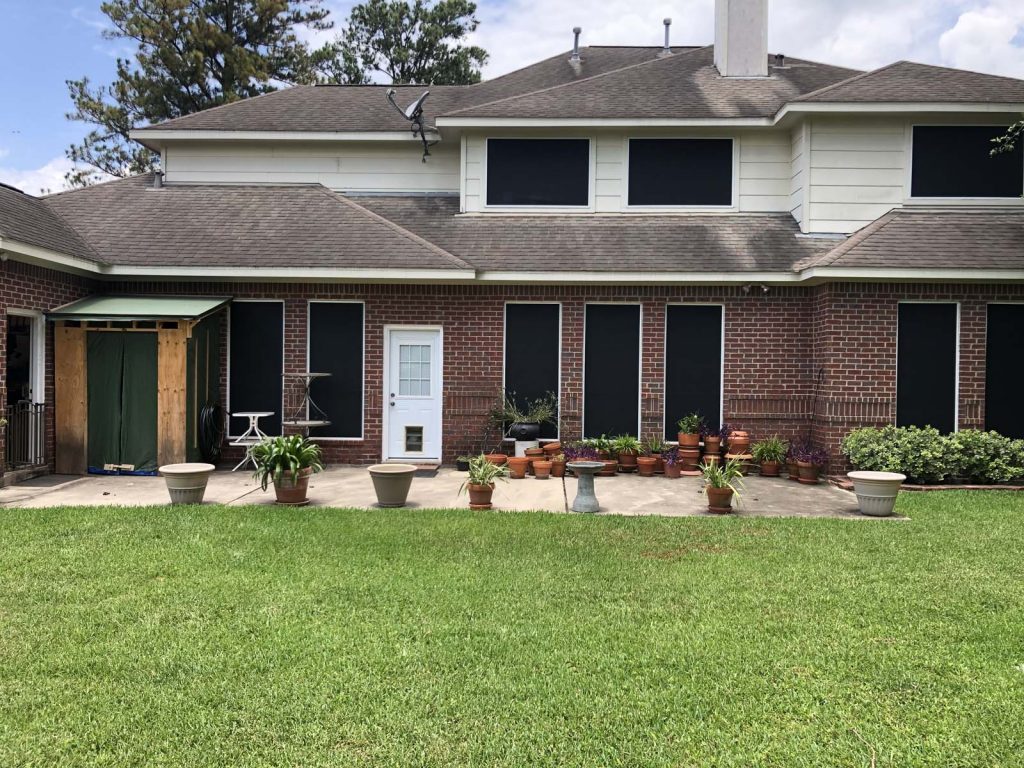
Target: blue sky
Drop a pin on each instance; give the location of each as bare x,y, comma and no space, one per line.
45,42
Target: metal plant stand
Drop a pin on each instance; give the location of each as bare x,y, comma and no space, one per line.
307,414
586,499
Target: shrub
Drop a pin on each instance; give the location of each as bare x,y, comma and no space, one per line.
985,457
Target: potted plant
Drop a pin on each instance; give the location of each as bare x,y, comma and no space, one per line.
391,483
770,454
689,431
480,483
672,465
520,418
558,465
712,442
720,485
603,446
654,447
627,449
542,468
287,461
809,462
739,442
462,464
579,451
792,468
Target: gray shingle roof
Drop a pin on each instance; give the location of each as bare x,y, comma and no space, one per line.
573,243
364,108
933,238
29,220
686,85
907,81
129,223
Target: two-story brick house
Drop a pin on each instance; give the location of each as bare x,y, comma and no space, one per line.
782,245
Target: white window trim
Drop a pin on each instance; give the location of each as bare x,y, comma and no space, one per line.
362,404
37,351
640,365
908,189
504,347
227,375
625,205
721,363
385,420
956,362
533,209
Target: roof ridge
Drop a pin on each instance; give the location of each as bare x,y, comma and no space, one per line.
400,230
97,185
44,201
575,82
220,106
833,255
958,69
848,80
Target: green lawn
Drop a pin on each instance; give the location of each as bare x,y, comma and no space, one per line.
315,637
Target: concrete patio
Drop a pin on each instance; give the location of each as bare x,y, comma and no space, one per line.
352,487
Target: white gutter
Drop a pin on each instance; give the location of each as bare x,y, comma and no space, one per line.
292,274
44,257
637,278
154,137
596,122
924,275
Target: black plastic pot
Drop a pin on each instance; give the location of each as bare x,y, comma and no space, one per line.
524,431
462,465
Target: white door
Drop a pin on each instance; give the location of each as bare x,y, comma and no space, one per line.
412,397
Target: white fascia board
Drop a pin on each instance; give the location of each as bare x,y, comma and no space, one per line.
920,275
638,278
44,257
150,137
894,107
596,122
293,274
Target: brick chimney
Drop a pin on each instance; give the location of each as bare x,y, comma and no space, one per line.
741,38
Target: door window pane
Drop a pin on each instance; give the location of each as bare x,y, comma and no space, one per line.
414,370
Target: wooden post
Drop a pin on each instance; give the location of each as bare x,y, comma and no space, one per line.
171,372
71,412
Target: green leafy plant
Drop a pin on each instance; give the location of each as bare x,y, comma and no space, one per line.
625,444
602,443
923,454
690,425
728,475
771,450
274,456
984,457
483,472
653,445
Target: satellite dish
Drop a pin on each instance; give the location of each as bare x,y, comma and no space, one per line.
414,114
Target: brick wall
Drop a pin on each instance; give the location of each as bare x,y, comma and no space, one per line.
23,286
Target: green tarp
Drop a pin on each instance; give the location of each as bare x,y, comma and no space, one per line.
122,375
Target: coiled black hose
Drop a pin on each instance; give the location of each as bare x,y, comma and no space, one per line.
211,432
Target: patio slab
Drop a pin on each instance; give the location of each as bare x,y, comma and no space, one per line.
352,487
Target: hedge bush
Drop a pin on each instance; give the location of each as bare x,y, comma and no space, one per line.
926,456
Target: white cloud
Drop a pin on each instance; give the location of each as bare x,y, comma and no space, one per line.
46,178
987,39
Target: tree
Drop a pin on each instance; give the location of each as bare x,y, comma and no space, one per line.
192,55
410,44
1008,141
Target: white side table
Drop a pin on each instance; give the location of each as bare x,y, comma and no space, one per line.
252,435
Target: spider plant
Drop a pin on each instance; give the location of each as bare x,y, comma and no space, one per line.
772,450
654,445
728,475
483,472
625,444
274,456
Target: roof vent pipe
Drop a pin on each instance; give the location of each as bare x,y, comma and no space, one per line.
576,44
158,180
667,50
780,59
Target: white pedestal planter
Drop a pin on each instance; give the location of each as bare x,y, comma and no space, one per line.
391,483
186,483
876,491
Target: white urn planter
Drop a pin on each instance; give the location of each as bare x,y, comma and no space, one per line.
391,483
186,483
876,491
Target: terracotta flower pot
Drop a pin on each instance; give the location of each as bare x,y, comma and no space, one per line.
552,448
497,459
712,445
542,469
688,439
808,472
712,459
769,469
480,496
646,465
558,469
627,461
292,491
532,454
659,464
611,466
689,458
792,469
719,500
673,470
517,466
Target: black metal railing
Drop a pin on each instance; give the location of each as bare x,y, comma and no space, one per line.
25,435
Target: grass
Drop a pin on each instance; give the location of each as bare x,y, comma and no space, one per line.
316,637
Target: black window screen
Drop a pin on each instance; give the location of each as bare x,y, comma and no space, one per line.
257,348
693,365
531,354
926,366
611,387
336,347
955,161
1004,370
680,172
538,172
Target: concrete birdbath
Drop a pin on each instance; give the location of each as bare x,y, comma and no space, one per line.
586,499
391,483
186,483
876,491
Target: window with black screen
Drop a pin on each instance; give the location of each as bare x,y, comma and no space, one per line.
956,161
680,172
539,172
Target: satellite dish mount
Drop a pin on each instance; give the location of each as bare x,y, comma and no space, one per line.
414,114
